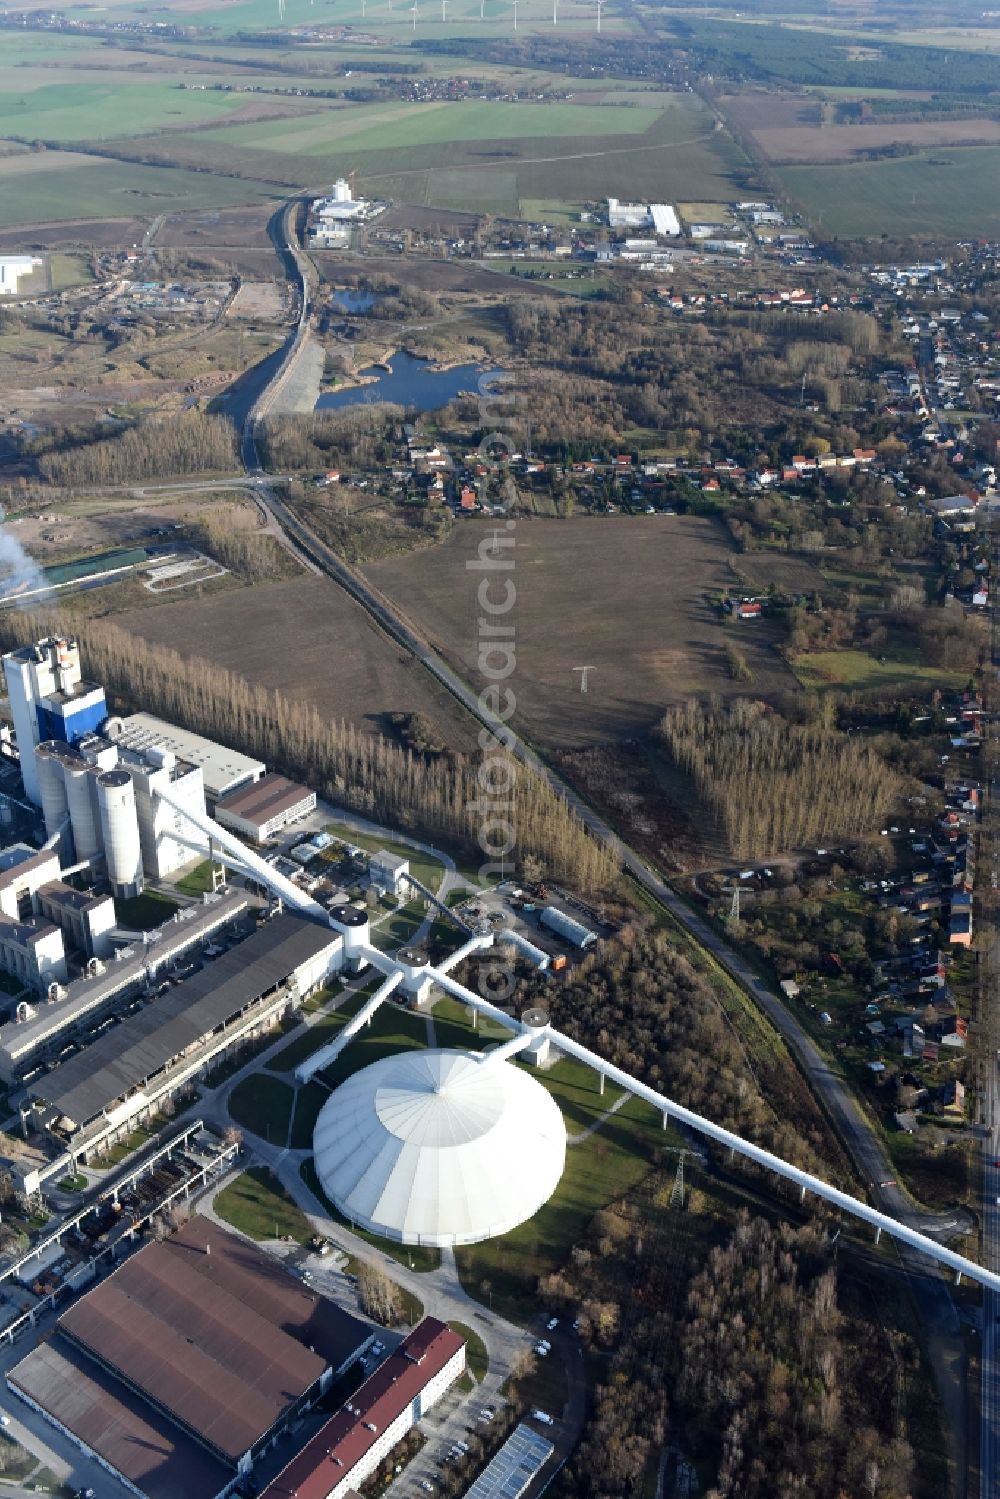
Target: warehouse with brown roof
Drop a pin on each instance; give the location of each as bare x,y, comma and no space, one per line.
262,809
182,1367
349,1448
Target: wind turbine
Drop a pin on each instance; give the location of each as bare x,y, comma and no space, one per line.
555,12
482,10
416,11
444,11
515,15
599,5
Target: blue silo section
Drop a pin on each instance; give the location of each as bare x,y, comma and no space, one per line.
72,720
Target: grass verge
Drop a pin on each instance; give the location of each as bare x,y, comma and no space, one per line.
263,1105
257,1205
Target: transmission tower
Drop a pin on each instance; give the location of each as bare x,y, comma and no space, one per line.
677,1190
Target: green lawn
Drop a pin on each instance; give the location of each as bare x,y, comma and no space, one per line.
857,669
453,1027
132,1142
317,1035
939,191
308,1102
145,911
476,1358
389,1031
75,1183
400,927
417,1257
505,1271
263,1105
257,1204
197,880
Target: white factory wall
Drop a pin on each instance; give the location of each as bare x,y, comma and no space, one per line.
162,854
27,884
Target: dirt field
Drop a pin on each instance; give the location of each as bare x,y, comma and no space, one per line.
790,129
83,526
231,228
626,597
105,234
833,143
428,275
788,574
306,638
764,111
431,220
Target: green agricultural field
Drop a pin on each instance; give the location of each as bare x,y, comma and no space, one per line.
116,189
106,110
386,127
395,22
940,191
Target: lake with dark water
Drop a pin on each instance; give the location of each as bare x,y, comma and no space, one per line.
353,301
409,382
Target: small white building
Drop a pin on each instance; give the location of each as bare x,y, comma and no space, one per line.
388,871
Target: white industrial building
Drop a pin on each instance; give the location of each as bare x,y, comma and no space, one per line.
349,1447
14,268
223,769
421,1147
49,700
106,803
660,217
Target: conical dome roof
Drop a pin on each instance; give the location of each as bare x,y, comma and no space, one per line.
439,1147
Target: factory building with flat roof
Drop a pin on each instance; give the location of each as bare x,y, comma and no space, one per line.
189,1362
260,810
159,1048
223,769
24,1040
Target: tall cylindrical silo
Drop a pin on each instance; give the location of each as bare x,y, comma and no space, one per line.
86,836
354,925
120,829
48,761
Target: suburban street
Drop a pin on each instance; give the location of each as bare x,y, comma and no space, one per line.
989,1461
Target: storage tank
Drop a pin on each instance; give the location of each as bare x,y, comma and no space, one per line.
354,925
86,834
573,931
48,760
120,830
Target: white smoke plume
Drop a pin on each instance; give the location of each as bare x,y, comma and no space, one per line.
22,581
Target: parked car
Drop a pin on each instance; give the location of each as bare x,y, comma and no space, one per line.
542,1417
552,1324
